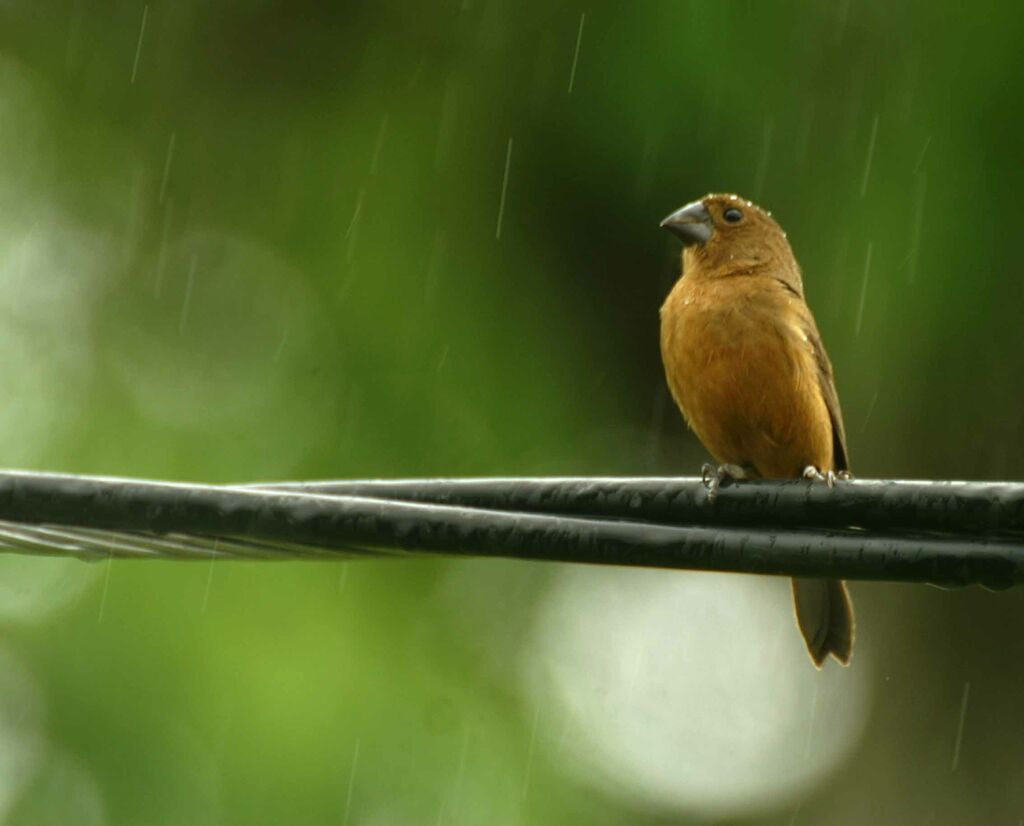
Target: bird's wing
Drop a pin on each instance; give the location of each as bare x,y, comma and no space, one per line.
826,379
827,383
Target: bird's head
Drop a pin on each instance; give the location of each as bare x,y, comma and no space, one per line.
729,235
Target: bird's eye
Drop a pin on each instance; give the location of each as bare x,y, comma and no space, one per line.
732,215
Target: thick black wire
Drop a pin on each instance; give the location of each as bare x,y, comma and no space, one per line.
132,518
917,507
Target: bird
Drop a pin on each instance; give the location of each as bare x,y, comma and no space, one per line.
745,363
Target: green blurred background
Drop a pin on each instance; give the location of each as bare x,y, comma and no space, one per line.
258,240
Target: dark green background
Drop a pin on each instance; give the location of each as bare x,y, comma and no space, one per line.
261,244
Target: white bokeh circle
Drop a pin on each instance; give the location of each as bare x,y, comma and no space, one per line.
691,692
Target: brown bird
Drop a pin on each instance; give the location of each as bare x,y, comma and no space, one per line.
745,363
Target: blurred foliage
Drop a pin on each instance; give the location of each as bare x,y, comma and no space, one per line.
257,240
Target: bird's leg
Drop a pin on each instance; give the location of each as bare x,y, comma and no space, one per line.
713,477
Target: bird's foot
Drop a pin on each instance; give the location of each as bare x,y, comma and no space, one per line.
829,477
713,477
815,475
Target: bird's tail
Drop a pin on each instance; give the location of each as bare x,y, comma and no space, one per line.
824,613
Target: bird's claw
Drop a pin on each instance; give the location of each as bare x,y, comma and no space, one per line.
829,477
815,475
713,477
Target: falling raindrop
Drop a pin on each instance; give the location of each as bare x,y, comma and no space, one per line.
167,166
504,190
871,155
960,725
920,157
867,416
351,784
138,46
353,227
529,753
381,132
576,55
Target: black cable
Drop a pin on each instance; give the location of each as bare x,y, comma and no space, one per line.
992,508
133,518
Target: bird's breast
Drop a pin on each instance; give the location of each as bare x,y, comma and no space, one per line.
739,366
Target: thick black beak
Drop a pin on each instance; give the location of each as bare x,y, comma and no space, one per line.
692,224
